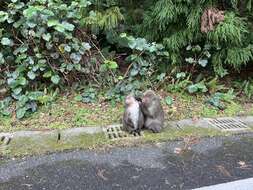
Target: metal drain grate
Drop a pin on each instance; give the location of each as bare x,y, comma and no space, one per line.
228,124
116,133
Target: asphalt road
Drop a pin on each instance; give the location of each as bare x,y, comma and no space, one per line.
173,165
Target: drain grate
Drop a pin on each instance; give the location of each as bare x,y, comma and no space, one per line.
116,133
228,124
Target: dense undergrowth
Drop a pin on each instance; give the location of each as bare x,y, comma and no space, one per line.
116,47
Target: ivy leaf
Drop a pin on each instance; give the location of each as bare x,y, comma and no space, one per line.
134,72
20,113
86,46
203,62
32,106
189,47
3,16
31,75
30,11
46,37
68,26
161,77
31,24
47,74
55,79
22,81
67,48
169,100
192,89
111,64
190,60
35,95
75,57
6,42
181,75
60,28
51,23
141,44
22,101
17,91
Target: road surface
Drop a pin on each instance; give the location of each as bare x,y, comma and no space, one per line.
172,165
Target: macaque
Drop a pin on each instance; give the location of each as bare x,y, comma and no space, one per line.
152,111
133,119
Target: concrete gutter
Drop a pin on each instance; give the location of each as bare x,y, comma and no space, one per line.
67,134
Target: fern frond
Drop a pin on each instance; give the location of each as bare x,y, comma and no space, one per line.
239,56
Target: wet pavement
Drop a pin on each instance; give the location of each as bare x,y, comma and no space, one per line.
187,164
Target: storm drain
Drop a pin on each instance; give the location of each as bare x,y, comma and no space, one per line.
116,133
228,124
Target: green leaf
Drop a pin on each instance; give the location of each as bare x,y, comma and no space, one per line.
190,60
67,48
134,72
47,74
169,100
192,89
35,95
46,37
31,75
181,75
75,57
20,113
31,24
3,16
55,79
17,91
6,42
30,12
22,81
60,28
78,98
111,64
68,26
86,46
51,23
203,62
141,44
1,58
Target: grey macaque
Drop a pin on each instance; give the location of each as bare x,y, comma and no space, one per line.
133,119
153,111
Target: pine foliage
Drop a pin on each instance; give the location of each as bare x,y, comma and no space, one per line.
177,24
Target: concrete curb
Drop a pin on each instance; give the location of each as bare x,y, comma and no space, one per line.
68,134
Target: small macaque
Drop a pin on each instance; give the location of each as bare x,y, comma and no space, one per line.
153,111
133,119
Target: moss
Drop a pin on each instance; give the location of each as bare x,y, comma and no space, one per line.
32,146
174,134
58,125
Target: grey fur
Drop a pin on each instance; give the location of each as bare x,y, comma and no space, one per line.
153,112
128,123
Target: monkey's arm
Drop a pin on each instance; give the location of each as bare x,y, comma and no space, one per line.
127,122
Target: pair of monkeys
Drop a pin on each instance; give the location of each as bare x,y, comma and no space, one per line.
145,112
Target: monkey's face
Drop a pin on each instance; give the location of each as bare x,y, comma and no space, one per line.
148,98
129,100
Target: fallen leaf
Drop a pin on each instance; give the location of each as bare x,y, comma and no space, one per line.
243,165
223,170
178,150
100,174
